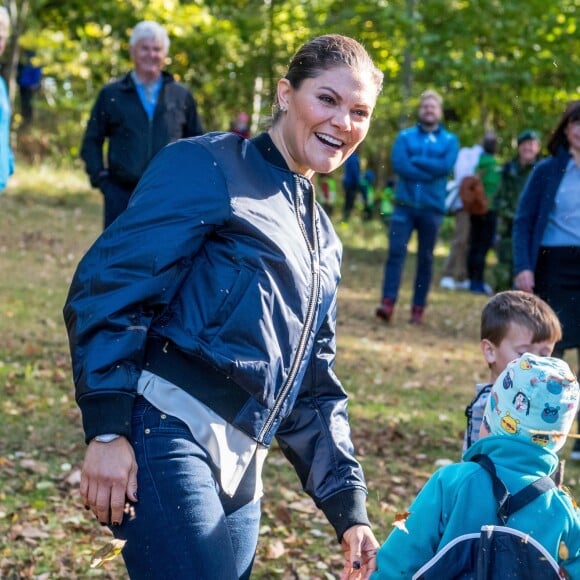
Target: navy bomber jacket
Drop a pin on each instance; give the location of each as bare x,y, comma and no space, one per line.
224,253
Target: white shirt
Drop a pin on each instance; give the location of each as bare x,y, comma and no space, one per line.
231,450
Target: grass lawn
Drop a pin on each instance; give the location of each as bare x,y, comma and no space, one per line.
408,385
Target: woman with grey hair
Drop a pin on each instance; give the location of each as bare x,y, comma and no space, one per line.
202,326
6,155
139,114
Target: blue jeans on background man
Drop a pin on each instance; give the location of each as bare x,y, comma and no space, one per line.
403,221
183,527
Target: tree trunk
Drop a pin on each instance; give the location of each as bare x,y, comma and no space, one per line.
18,10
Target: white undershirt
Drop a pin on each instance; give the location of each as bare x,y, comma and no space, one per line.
231,450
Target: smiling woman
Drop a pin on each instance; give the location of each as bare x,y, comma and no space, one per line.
191,355
325,103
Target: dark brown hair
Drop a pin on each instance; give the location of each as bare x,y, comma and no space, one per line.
524,309
326,52
558,138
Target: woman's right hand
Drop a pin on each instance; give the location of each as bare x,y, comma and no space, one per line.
108,478
525,281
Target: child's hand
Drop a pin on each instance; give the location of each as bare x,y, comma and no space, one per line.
360,549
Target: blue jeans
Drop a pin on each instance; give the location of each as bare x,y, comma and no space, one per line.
403,221
183,527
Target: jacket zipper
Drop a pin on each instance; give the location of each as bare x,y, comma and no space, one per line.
302,343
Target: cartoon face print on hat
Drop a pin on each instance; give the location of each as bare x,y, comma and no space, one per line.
510,424
550,414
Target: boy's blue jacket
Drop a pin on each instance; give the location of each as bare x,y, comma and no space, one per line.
458,499
223,253
423,161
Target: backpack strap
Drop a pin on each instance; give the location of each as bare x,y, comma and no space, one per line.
509,504
529,493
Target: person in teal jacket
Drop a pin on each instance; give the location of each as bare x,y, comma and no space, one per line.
6,155
532,394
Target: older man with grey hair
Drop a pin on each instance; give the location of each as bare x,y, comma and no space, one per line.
139,114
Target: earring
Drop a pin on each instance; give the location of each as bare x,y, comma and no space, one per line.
283,108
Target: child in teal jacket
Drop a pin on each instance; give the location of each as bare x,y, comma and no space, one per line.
532,394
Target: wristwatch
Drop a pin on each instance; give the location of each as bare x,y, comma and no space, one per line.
106,437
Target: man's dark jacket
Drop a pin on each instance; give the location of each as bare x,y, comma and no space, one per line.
119,116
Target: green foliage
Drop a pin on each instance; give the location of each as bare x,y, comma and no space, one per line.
501,65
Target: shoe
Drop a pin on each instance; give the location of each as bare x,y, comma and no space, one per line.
477,287
447,283
417,315
575,453
463,285
386,309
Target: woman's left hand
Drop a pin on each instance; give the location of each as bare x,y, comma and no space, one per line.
360,549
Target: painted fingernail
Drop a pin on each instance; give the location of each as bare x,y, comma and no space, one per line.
356,565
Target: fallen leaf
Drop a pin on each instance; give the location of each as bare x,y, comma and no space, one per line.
34,466
107,552
283,514
33,532
275,550
305,505
400,520
73,478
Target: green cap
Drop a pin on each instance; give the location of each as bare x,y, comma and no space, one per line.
528,135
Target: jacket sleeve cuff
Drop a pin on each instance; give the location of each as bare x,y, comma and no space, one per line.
97,178
107,413
346,509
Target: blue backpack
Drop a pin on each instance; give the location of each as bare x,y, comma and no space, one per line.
496,551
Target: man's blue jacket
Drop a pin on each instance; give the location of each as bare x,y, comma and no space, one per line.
223,254
423,161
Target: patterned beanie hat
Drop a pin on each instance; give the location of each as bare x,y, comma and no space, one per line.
535,398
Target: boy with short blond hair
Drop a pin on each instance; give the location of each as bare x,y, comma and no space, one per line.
512,323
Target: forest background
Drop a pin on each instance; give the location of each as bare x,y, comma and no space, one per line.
502,65
506,65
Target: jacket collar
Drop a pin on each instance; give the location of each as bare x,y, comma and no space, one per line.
438,130
515,454
127,83
269,151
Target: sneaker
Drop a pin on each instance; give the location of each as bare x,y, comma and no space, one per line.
417,315
386,309
477,287
463,285
487,289
447,283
